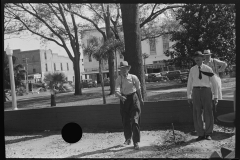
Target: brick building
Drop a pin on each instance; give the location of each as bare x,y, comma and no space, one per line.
40,62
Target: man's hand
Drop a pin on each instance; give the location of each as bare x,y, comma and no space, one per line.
215,102
123,98
190,101
142,102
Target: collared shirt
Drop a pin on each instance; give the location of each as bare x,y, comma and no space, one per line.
194,81
216,65
126,85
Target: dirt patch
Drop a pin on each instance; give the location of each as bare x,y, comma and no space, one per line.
156,143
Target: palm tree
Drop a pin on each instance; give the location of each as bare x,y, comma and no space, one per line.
116,45
53,80
98,51
145,56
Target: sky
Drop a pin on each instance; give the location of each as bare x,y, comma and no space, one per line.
32,43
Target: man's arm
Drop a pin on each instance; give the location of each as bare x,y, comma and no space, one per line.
117,88
215,86
222,65
189,85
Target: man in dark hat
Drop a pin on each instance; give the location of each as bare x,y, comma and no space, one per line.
200,95
128,89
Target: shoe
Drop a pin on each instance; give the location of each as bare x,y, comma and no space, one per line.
127,142
200,138
208,137
136,146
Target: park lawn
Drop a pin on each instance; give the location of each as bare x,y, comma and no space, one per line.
94,96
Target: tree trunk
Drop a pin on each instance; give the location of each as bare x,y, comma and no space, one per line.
102,82
145,68
78,89
132,38
111,55
116,61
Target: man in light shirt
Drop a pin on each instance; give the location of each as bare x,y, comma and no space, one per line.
217,66
128,89
200,95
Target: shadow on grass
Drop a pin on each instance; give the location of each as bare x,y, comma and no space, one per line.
45,101
168,96
164,87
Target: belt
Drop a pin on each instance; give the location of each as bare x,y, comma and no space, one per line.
128,94
201,87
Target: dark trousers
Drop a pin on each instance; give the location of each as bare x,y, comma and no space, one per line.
130,111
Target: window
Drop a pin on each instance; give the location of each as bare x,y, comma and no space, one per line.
45,55
46,67
73,78
61,67
67,67
152,44
34,70
66,78
165,46
165,39
54,67
90,58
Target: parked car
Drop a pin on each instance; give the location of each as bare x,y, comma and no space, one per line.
156,77
164,73
151,76
87,83
106,82
173,74
146,77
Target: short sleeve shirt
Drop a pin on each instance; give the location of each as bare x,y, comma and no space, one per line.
127,85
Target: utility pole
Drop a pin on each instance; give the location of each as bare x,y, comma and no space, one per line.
25,60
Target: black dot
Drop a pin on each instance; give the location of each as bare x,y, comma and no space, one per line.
71,132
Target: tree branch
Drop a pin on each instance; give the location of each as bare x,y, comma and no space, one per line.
91,7
154,15
50,39
76,34
67,28
43,22
89,20
156,36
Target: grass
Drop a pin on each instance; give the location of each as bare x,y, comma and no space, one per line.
93,96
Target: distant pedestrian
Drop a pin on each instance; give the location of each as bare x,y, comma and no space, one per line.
30,87
129,91
199,95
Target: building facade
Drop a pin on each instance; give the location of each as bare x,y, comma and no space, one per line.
40,62
155,48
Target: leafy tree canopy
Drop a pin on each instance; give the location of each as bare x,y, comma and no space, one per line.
204,26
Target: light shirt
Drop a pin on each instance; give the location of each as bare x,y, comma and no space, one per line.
128,86
206,81
216,65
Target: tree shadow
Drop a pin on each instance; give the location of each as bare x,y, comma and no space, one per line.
166,87
102,151
216,136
